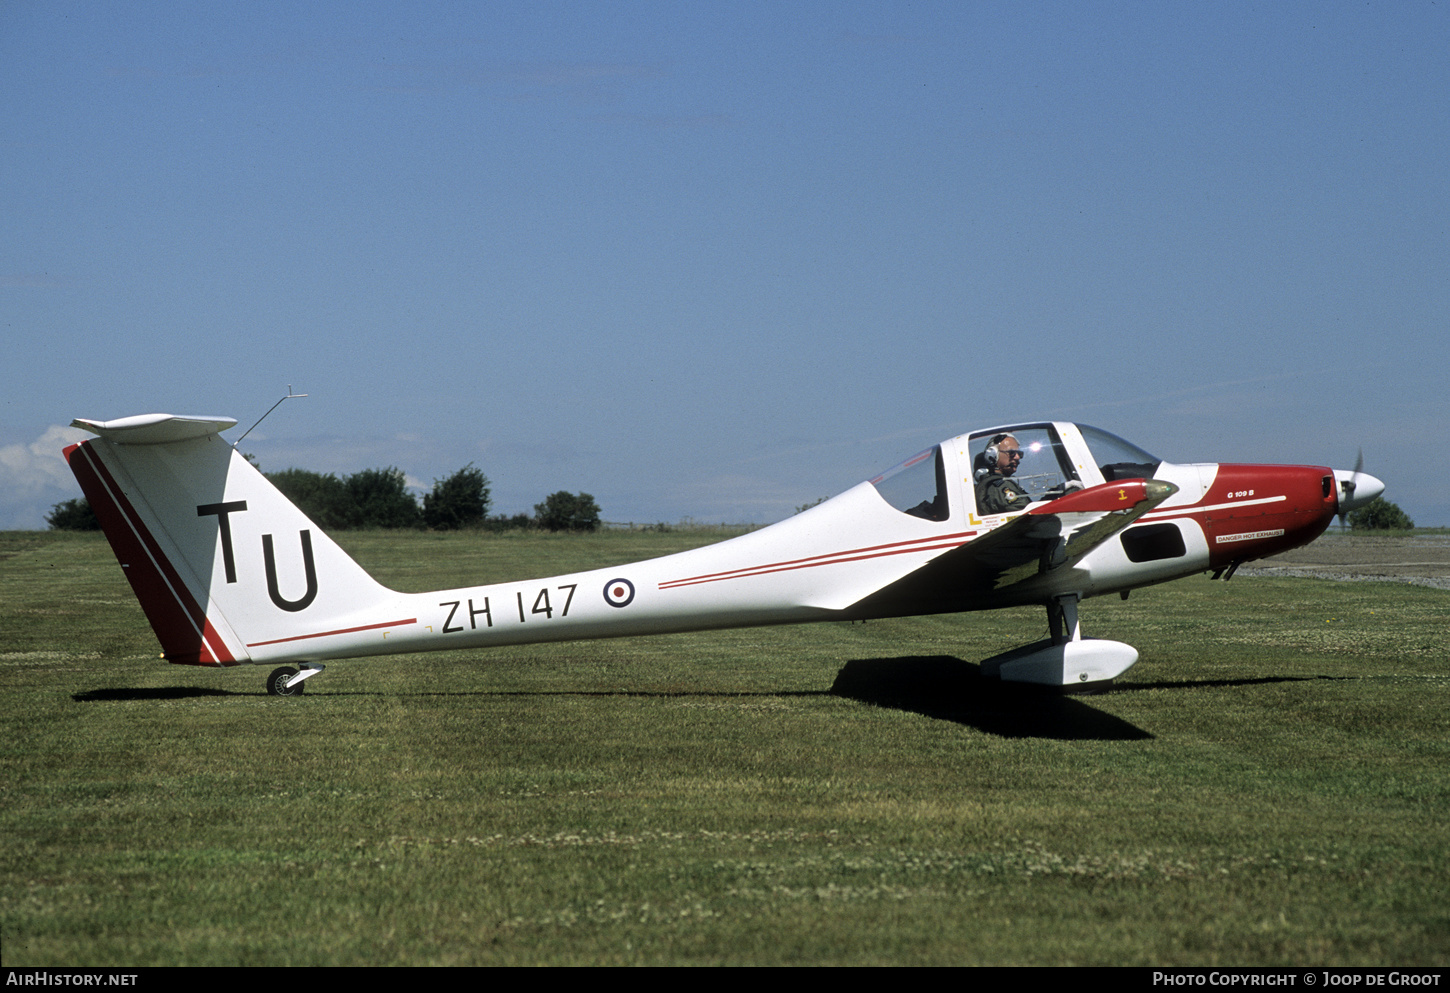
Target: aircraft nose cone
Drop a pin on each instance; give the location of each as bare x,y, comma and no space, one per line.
1356,489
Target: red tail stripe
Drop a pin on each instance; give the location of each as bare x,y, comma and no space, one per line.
179,621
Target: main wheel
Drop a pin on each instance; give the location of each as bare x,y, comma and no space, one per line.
277,682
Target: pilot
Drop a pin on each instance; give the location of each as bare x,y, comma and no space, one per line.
997,491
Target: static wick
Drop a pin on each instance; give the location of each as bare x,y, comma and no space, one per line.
290,396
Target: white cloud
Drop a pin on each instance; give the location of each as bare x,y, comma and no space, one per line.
34,477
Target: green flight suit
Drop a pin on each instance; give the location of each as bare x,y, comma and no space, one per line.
1000,495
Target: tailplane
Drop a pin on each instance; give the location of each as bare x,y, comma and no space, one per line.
220,560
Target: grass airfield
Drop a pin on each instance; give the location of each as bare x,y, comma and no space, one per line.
1269,785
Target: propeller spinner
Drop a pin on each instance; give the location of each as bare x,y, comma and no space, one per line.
1356,488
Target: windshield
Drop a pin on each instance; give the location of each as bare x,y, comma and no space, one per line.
1118,459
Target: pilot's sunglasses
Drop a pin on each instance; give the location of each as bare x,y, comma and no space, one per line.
1010,452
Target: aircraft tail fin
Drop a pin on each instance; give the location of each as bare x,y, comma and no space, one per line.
223,564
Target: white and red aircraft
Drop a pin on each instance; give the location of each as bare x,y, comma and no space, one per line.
228,571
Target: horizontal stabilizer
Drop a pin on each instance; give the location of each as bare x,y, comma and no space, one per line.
154,429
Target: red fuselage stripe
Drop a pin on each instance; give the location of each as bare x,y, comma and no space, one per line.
1203,508
328,634
834,558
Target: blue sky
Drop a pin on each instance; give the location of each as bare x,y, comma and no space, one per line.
719,260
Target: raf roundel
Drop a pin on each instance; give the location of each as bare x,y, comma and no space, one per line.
618,592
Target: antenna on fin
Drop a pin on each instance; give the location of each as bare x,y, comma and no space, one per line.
290,396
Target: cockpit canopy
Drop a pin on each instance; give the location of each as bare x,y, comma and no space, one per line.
1057,457
917,486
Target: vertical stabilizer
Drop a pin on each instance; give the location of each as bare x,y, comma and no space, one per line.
220,560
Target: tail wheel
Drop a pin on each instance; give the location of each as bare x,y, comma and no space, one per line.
277,682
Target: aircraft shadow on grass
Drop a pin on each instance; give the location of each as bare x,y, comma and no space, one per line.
106,694
941,687
947,688
1204,684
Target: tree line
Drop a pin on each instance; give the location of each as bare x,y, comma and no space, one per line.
379,498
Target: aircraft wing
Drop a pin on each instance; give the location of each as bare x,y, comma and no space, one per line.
1044,539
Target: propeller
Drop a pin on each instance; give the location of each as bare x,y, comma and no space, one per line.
1348,486
1356,487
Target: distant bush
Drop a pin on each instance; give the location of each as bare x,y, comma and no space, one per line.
1380,515
381,499
73,515
459,501
564,511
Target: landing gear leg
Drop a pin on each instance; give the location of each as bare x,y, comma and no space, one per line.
1062,620
1066,659
287,681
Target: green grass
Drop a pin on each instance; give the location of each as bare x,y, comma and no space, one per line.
1269,785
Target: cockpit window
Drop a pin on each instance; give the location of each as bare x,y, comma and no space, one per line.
1044,472
1117,458
917,486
